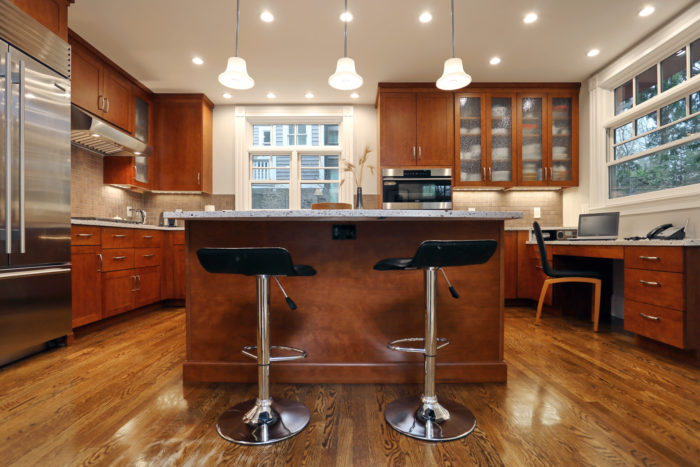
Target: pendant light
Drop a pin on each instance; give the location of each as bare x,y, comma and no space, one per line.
236,74
453,77
345,77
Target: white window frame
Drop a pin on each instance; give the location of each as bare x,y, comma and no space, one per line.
247,116
678,33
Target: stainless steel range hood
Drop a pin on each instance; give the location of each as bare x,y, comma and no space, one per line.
89,132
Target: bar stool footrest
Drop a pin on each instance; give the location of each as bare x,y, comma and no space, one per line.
393,345
283,358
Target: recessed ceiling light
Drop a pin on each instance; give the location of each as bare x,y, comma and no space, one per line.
354,95
530,18
309,95
495,61
227,95
267,17
425,17
646,11
593,52
346,16
271,95
197,61
136,153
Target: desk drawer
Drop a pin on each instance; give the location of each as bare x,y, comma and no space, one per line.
116,259
146,257
659,258
664,289
84,235
117,238
148,239
660,324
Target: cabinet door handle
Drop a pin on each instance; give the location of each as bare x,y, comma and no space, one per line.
149,256
119,236
199,177
420,152
148,236
101,102
99,255
649,283
490,175
83,235
107,105
649,258
539,267
118,258
138,278
483,177
133,284
649,317
414,153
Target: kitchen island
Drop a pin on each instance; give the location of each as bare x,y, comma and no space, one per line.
348,311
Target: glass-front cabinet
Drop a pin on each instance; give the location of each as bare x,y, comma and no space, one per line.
470,109
532,117
563,121
500,167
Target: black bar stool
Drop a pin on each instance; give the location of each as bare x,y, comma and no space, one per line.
263,420
428,419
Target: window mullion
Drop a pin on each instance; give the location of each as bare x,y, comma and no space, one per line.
294,185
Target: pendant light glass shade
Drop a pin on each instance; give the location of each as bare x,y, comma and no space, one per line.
345,77
453,77
236,75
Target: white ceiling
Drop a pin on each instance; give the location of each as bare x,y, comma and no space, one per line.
155,40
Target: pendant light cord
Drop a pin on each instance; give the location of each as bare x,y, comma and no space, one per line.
238,15
452,16
345,47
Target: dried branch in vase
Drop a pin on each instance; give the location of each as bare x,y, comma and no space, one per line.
358,170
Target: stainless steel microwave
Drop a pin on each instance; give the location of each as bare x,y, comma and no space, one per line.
417,188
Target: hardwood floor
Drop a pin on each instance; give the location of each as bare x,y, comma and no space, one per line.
573,397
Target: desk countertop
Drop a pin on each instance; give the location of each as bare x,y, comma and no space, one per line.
686,242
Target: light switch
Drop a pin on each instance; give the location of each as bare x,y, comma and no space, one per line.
536,213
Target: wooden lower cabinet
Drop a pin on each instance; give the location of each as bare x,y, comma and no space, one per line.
86,284
179,272
117,290
147,286
511,264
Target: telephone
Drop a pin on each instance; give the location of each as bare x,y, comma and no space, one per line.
667,232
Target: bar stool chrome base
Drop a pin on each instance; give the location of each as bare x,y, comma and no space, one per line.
454,421
285,418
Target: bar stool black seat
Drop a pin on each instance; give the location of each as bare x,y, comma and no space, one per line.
263,420
426,418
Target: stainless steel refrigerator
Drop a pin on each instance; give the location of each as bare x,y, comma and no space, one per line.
35,269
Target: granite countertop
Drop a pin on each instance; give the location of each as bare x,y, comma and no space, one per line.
345,214
621,242
125,225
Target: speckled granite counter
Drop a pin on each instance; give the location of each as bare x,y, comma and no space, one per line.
347,311
126,225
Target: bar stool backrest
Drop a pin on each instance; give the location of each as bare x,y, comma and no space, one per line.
546,267
247,261
443,253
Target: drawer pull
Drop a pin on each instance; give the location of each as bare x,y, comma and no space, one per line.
84,235
649,317
118,258
148,236
149,256
119,236
649,258
652,284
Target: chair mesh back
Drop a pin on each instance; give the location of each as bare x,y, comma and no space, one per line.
440,253
247,261
543,251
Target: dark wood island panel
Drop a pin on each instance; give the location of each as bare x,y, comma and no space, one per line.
347,312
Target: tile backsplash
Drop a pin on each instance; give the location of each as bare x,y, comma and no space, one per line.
91,198
549,202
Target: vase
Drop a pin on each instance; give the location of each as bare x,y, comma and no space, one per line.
358,198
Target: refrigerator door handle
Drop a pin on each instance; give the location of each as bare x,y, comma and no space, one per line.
22,120
33,273
8,154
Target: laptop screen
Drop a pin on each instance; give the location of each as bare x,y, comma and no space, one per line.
598,225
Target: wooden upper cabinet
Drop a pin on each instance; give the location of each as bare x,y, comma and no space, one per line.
183,130
52,14
434,128
86,73
416,128
98,87
397,129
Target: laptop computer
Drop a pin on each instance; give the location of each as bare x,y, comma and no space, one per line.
603,226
